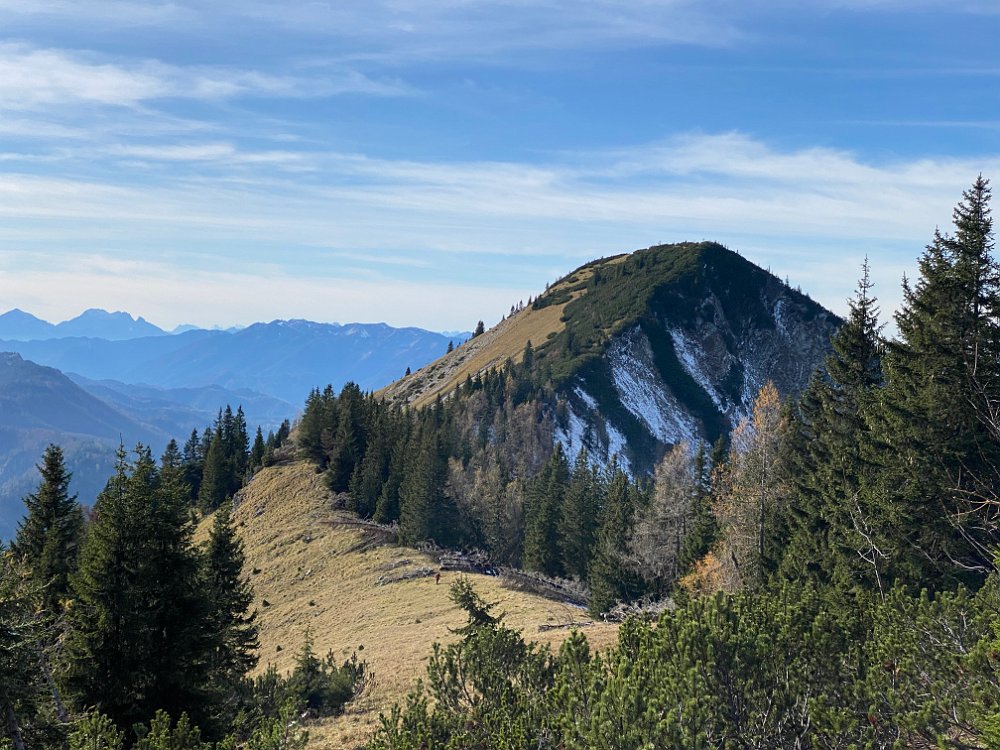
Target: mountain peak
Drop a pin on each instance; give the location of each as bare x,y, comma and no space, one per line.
646,349
18,325
113,326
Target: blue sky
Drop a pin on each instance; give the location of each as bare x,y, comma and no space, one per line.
431,163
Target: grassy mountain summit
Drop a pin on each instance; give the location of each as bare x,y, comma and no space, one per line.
668,343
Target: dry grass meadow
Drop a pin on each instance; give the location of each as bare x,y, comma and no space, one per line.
313,568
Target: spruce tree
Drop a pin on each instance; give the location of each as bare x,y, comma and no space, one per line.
387,506
49,536
139,640
22,640
344,449
234,629
578,520
237,451
837,529
193,460
609,576
543,508
939,456
424,511
370,474
215,478
257,451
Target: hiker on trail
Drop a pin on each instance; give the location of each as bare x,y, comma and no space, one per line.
437,578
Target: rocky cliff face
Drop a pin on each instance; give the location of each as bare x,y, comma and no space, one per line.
690,366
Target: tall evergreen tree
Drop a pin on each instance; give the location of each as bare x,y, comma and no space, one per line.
424,513
238,451
215,478
837,530
22,640
939,457
257,451
49,536
387,506
609,576
544,500
141,626
345,448
193,460
234,630
578,521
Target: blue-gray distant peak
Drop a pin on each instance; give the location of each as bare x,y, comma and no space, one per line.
17,325
111,326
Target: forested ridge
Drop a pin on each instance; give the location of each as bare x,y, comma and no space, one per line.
824,574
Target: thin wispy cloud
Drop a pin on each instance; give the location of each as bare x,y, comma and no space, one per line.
476,145
780,207
32,78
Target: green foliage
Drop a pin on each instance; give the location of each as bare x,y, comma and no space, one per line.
226,459
318,685
544,508
578,518
160,735
96,731
23,637
478,610
282,732
487,690
231,619
609,575
138,639
48,537
659,280
787,667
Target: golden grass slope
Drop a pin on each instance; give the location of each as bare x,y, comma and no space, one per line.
492,349
314,568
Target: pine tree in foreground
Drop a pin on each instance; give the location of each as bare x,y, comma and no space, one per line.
141,625
234,630
49,536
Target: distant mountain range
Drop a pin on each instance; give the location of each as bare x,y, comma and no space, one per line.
103,377
17,325
284,359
